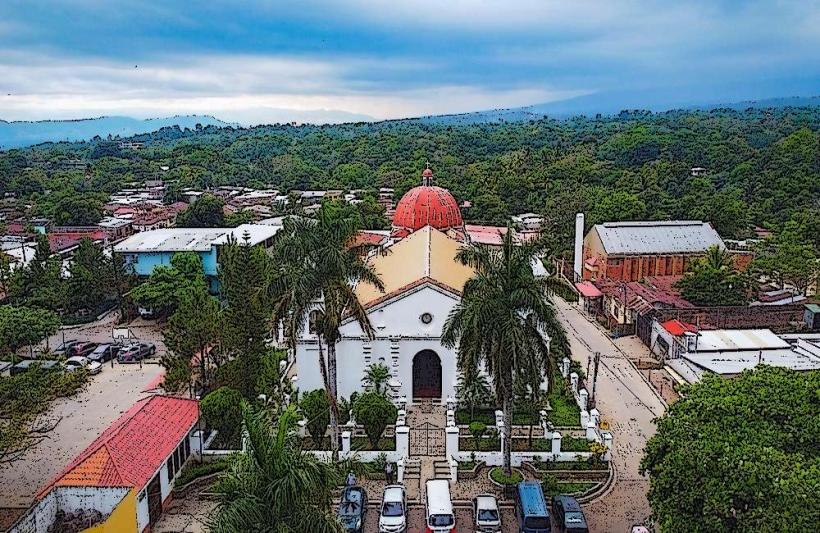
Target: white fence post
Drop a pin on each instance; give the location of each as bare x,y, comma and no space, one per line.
592,432
565,367
400,473
573,380
451,417
453,469
608,443
556,444
401,418
499,418
583,399
451,403
451,444
346,442
302,424
595,417
403,441
584,418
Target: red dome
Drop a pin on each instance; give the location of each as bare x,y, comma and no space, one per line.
427,205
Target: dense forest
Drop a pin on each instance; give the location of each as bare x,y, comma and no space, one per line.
763,166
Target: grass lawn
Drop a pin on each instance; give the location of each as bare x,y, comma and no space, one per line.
363,443
467,444
573,487
497,475
574,444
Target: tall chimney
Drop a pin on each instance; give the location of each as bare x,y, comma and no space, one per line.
579,244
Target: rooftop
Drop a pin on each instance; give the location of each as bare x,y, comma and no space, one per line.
192,239
657,237
427,254
130,451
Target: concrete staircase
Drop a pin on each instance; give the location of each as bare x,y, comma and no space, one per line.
441,469
412,468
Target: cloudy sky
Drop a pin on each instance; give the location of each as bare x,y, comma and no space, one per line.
261,61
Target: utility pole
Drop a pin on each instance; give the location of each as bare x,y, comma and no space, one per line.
596,360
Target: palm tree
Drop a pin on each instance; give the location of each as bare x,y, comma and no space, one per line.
317,270
274,485
719,259
376,378
473,390
502,320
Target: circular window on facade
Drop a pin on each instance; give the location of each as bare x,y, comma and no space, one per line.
426,318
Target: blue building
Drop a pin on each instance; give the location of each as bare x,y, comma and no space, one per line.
146,250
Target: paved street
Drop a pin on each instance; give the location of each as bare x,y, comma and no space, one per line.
629,405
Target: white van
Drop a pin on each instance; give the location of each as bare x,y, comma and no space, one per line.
439,507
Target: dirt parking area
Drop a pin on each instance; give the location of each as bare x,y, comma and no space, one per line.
83,416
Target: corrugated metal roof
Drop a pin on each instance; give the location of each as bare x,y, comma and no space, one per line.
192,239
657,237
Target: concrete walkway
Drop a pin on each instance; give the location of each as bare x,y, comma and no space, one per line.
629,404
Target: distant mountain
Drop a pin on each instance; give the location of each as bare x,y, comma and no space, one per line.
608,104
24,133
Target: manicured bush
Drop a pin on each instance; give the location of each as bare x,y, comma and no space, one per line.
497,475
316,409
222,411
374,412
192,471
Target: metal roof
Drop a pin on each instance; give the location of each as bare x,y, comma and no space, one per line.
192,239
657,237
739,339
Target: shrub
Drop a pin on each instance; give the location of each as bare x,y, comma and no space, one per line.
192,471
478,429
316,410
549,484
374,412
222,410
497,475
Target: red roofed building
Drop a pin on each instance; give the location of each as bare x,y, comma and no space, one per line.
127,473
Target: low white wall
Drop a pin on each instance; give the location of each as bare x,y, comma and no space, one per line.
142,510
68,499
497,458
365,456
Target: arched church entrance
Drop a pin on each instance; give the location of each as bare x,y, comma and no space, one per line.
426,375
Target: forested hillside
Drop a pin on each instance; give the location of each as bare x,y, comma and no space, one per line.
763,165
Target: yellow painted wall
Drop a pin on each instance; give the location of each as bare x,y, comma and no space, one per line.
123,519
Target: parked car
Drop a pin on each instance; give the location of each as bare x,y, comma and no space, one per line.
82,349
531,508
352,509
104,353
78,361
393,515
64,348
25,366
438,507
485,514
136,352
568,515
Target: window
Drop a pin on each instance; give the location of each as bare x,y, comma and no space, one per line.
171,468
426,318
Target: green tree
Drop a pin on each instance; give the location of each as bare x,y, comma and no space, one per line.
477,429
39,284
168,285
244,276
473,390
24,326
206,212
222,411
275,484
759,476
313,262
374,412
190,336
501,321
74,209
714,280
90,281
316,409
787,258
376,378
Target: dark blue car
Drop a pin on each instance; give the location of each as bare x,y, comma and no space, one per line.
352,509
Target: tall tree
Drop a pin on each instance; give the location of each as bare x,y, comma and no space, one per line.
787,258
244,277
501,322
90,280
714,280
315,263
275,485
206,212
737,455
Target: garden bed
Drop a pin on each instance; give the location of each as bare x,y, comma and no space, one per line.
468,444
469,469
385,444
574,444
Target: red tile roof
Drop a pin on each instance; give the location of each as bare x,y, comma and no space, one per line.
132,449
365,238
588,290
678,328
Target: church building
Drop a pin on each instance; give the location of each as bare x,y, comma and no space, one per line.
422,283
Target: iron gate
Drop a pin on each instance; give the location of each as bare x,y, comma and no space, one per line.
427,440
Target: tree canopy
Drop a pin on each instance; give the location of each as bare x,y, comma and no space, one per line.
738,455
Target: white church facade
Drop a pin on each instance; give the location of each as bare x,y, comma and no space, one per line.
422,284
